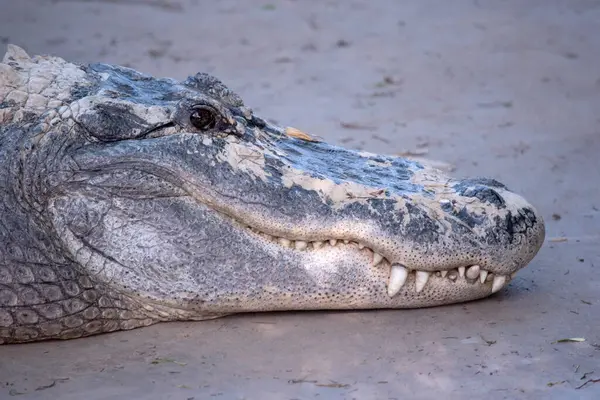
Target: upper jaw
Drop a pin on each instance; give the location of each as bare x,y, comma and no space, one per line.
406,213
418,233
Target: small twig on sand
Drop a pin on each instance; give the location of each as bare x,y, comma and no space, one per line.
588,381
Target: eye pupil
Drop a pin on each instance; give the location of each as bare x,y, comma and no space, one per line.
203,118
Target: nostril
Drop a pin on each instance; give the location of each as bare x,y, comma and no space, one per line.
482,189
483,181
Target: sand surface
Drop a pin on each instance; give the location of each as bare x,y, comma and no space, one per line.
506,89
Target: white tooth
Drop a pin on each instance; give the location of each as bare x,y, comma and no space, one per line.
266,236
284,242
377,258
332,242
461,271
346,241
444,273
482,276
398,275
317,245
499,281
444,202
301,245
473,272
361,246
421,279
452,276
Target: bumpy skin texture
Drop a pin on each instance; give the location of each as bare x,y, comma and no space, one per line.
118,209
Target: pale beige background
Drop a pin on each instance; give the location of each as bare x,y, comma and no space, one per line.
507,89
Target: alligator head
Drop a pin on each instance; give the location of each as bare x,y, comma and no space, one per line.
157,199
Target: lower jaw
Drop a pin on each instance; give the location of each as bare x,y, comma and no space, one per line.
373,294
441,292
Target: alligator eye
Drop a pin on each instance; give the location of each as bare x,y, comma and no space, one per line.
203,118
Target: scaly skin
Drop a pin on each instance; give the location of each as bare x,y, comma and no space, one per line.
128,200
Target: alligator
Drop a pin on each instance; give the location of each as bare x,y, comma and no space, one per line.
128,200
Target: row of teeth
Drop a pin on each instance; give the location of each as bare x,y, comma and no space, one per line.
399,273
302,245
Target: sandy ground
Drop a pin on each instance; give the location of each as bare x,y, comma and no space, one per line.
507,89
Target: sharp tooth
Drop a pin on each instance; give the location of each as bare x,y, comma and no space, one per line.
317,245
461,271
452,276
301,245
377,258
346,241
482,275
421,279
444,273
499,281
473,272
284,242
332,242
398,275
361,246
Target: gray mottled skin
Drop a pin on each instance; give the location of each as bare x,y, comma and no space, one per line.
119,210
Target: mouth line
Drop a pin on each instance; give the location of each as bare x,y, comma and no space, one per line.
399,274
